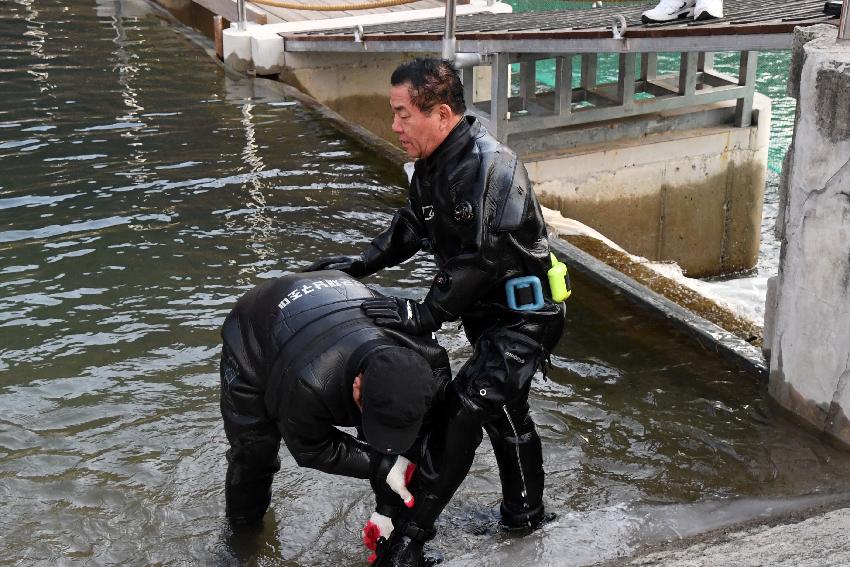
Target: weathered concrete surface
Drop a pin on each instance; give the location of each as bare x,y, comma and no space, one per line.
692,196
355,85
809,340
818,541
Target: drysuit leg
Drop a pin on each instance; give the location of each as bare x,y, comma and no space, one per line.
447,455
252,459
519,455
499,378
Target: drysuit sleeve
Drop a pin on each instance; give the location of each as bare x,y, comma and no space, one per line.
315,443
397,243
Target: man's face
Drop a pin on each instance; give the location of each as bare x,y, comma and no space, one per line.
419,133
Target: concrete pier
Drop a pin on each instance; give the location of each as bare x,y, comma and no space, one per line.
807,334
682,186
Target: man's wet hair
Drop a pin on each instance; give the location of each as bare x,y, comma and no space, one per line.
432,82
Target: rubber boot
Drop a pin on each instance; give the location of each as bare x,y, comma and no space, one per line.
405,546
399,551
519,455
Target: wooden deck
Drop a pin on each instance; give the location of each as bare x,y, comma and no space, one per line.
278,15
748,25
262,14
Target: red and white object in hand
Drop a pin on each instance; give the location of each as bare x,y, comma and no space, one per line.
398,478
380,526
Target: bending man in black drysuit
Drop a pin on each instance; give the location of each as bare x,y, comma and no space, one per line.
299,358
471,204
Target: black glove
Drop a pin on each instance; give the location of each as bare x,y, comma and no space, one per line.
354,266
397,313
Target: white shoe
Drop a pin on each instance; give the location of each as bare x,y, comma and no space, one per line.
708,9
669,10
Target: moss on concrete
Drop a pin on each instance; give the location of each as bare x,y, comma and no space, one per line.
672,290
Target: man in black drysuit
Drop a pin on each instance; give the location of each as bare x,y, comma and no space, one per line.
471,204
301,357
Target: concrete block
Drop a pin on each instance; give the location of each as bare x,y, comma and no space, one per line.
267,53
692,196
355,85
810,333
236,46
769,315
802,36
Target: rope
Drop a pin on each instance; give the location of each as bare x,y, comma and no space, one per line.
332,7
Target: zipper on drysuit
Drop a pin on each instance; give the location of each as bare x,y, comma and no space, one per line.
518,460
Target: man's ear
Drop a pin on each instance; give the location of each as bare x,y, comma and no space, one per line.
446,115
356,390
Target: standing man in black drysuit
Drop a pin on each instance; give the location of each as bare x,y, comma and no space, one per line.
471,204
301,357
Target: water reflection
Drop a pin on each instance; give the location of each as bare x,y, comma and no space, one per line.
131,220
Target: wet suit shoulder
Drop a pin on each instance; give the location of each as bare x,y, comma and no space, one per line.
311,337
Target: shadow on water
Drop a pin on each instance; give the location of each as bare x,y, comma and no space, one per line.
142,191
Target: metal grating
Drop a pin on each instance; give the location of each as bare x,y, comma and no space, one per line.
742,17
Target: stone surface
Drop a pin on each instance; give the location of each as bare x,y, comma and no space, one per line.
810,331
819,541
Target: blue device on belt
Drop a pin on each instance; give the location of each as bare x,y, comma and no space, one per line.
524,293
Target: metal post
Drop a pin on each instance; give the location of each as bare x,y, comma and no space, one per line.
844,23
449,35
648,66
499,86
563,85
746,78
626,81
242,23
688,73
589,62
706,62
468,76
527,81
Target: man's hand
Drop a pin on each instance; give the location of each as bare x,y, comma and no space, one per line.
380,525
354,266
377,526
402,314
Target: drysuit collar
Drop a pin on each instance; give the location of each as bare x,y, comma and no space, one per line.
449,151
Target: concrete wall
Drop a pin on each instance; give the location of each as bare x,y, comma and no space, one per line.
808,310
676,189
355,85
692,195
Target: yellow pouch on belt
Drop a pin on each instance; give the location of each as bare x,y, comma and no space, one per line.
558,280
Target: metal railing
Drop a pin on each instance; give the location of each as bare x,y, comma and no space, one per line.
241,10
634,94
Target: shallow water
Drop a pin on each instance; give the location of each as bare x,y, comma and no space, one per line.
142,191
